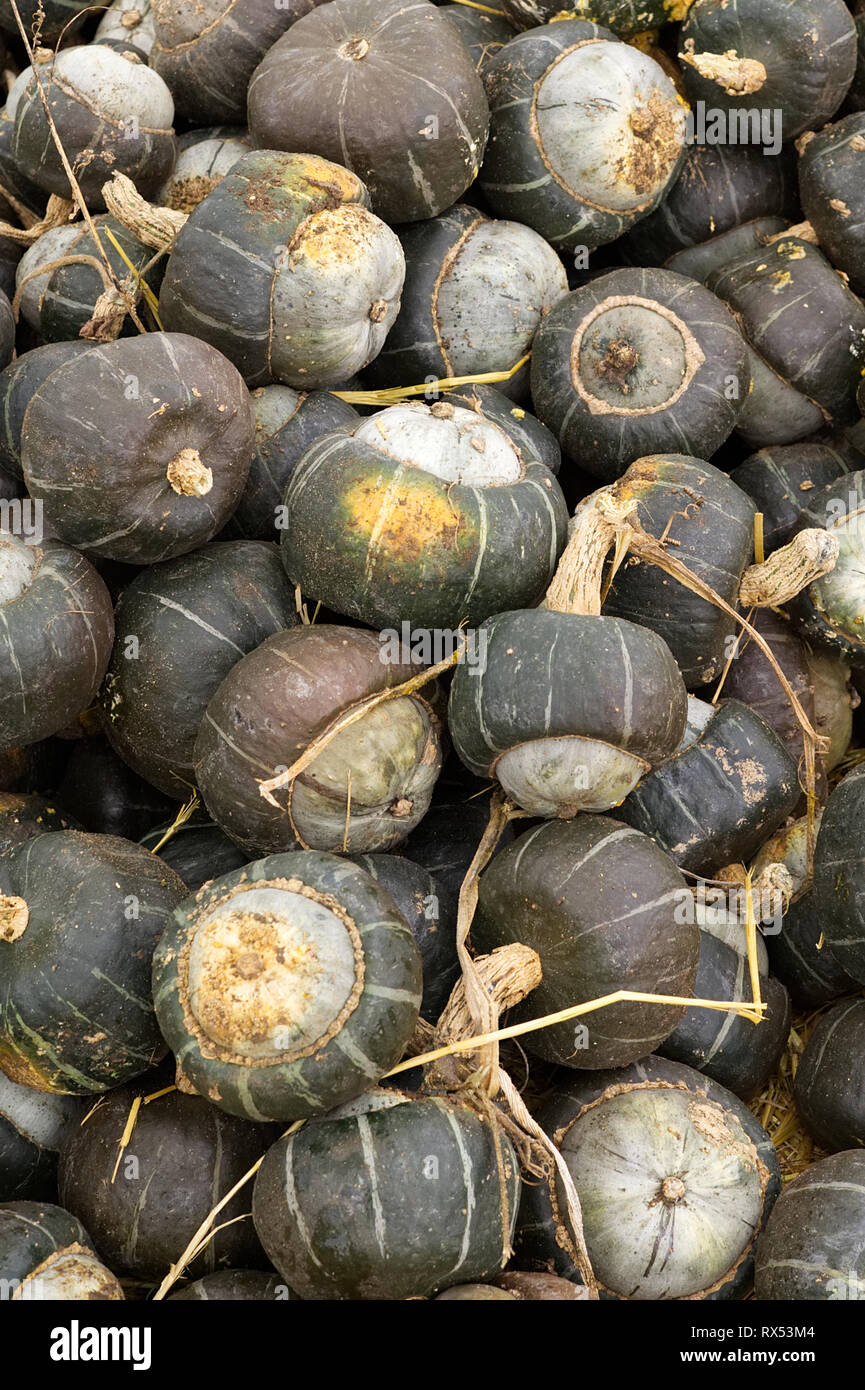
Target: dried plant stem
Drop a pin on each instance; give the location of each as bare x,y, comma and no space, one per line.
187,809
392,395
205,1231
351,716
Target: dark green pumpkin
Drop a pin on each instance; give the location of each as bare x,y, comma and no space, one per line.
206,50
388,90
782,480
600,903
426,508
32,1129
671,1184
570,1094
738,1054
700,261
55,640
431,912
287,987
235,1286
114,112
183,1156
829,1087
180,628
637,362
818,352
60,302
587,134
839,874
710,523
175,426
389,1198
476,290
832,608
719,187
807,50
567,712
197,851
830,181
752,681
365,791
287,423
46,1255
18,382
283,268
799,954
81,915
715,802
814,1245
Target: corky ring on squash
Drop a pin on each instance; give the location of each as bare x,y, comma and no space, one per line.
635,363
587,134
287,987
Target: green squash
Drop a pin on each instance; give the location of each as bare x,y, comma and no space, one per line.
839,875
206,50
672,1187
180,628
389,90
569,1096
601,905
813,1248
567,712
587,134
55,639
287,987
807,53
111,110
427,509
715,802
365,791
709,523
79,918
283,268
389,1198
829,1086
175,429
46,1255
184,1156
638,362
817,353
476,290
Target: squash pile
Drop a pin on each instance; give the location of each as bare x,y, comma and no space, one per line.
432,540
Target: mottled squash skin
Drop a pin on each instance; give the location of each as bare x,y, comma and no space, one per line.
410,546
